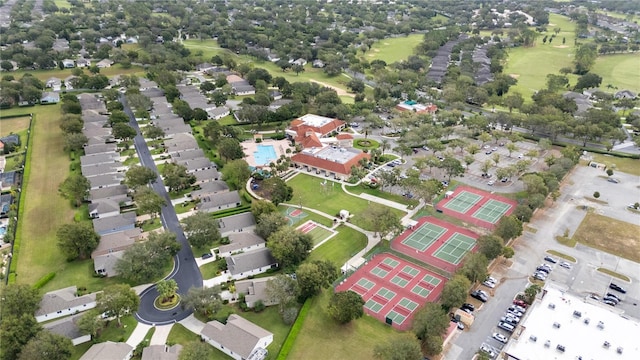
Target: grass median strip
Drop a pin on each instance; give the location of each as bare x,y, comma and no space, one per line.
614,274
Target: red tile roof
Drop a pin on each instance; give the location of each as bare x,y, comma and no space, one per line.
344,169
344,137
324,130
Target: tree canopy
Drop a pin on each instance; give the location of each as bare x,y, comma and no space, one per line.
289,246
345,306
429,324
117,300
201,229
77,240
146,260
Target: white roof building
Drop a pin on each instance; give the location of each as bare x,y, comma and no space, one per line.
562,326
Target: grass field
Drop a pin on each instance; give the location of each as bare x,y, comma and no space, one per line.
43,75
111,333
323,338
307,189
14,125
270,320
359,189
620,70
393,49
525,63
625,165
341,247
613,236
62,4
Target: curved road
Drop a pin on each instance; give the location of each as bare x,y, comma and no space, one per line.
185,271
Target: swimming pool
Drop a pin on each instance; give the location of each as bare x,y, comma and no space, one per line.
3,230
265,154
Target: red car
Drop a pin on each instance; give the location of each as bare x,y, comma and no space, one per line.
520,303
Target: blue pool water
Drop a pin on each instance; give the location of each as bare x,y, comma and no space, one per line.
3,230
265,154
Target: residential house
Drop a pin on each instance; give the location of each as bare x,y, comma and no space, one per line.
254,262
416,107
70,82
49,97
254,290
83,63
100,148
238,338
240,86
104,181
187,155
206,176
102,169
68,327
116,242
179,143
204,67
318,63
5,204
241,242
112,224
99,159
625,94
275,94
173,126
219,112
194,98
194,165
109,350
103,208
104,63
236,223
220,201
210,188
54,83
277,104
68,63
105,265
10,179
107,192
582,101
161,352
299,61
63,302
11,139
591,92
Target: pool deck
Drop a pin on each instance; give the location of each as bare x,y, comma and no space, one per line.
249,147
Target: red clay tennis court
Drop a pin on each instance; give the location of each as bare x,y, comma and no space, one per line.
476,206
436,242
393,289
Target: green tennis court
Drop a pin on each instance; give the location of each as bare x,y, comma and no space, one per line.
366,283
420,291
408,304
390,262
397,280
431,280
492,211
410,271
379,272
463,201
373,305
424,236
395,317
455,248
386,293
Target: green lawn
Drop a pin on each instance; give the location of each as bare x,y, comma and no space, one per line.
14,125
626,165
359,189
210,270
525,63
329,199
110,71
393,49
620,70
323,338
62,4
269,319
111,333
341,247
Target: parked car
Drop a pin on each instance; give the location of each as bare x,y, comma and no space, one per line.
520,303
510,320
565,265
520,156
617,287
506,326
515,314
207,256
612,299
613,296
494,149
609,302
485,348
612,180
489,284
501,338
445,183
504,179
491,182
468,311
488,152
550,259
517,308
491,279
468,306
479,296
539,276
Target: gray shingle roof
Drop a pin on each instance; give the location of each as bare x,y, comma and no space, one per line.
62,299
214,202
238,264
65,327
237,222
161,352
238,335
241,241
113,223
107,351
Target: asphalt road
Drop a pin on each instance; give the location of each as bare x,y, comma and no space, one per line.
185,272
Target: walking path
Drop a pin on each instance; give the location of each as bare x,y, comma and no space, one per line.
138,334
192,324
161,334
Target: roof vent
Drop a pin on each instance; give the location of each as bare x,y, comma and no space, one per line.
586,321
619,350
547,343
600,325
556,325
606,345
552,306
560,348
577,314
533,338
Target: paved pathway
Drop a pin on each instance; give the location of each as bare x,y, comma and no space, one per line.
379,200
192,324
161,334
138,334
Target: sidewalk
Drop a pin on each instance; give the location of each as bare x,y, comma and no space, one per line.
192,324
160,335
138,334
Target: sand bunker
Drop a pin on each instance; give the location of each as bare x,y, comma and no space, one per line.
561,46
340,92
515,76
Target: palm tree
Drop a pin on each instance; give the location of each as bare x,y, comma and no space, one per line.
167,289
384,145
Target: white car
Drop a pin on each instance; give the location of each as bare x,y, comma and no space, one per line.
491,279
489,284
565,265
486,348
491,182
503,339
520,156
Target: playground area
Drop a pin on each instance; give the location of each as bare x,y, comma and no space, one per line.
476,206
436,242
318,232
393,289
294,215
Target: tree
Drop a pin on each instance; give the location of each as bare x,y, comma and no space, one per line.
201,229
153,132
507,252
452,166
314,276
75,188
230,149
289,246
356,85
145,261
219,98
176,177
511,147
18,299
475,267
15,333
236,173
490,246
382,220
118,116
91,323
596,195
429,324
139,176
588,80
277,190
74,141
534,184
167,289
123,131
47,345
196,350
556,82
508,228
398,348
297,68
455,291
148,201
345,306
531,292
71,123
204,300
268,223
282,290
584,58
259,207
77,240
